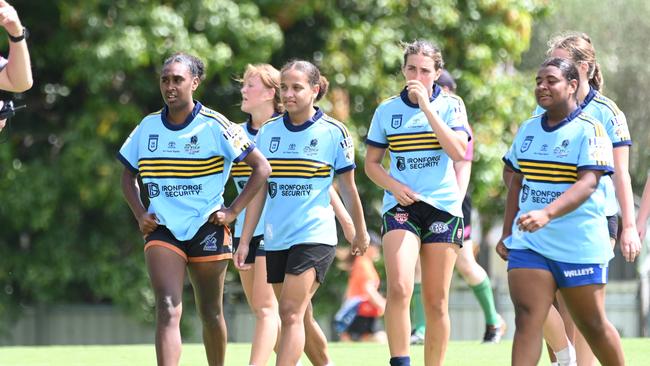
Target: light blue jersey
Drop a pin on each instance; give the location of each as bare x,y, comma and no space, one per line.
240,174
605,111
303,160
416,157
184,167
549,159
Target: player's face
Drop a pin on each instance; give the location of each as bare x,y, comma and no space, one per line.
177,85
422,68
552,89
296,93
254,94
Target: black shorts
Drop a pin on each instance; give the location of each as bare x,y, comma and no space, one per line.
467,217
255,248
612,226
362,325
211,243
427,222
297,260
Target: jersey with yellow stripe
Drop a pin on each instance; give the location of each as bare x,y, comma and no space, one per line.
240,174
605,111
184,167
416,157
549,158
303,159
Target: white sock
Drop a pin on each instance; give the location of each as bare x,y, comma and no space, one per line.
566,357
555,364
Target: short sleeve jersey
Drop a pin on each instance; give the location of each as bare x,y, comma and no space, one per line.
184,167
416,157
550,157
240,174
605,111
303,160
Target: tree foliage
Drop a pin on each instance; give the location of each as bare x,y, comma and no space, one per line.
66,233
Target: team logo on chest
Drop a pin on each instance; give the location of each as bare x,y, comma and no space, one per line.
275,144
526,144
273,189
401,163
193,147
153,143
396,122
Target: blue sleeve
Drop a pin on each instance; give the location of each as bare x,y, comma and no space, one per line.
510,157
596,150
344,156
234,142
376,132
617,130
129,153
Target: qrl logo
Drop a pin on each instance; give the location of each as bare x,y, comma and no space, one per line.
152,190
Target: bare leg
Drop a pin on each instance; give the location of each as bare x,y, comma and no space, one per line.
401,249
315,340
167,272
532,292
208,280
554,332
296,293
587,307
264,306
437,268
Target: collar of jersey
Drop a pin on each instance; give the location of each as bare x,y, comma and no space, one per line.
405,96
304,126
568,119
590,96
250,129
188,120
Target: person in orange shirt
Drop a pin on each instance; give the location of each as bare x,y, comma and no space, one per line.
363,295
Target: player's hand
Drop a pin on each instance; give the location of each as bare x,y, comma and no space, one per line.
360,243
416,89
9,19
403,194
147,223
640,227
223,217
239,259
630,244
533,220
501,250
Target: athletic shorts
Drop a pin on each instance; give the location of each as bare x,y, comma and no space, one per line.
467,217
255,248
565,274
362,325
612,226
427,222
211,243
298,259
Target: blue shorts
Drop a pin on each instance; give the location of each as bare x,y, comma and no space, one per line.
565,274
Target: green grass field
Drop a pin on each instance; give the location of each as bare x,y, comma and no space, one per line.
637,353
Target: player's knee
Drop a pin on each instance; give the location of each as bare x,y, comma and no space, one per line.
436,308
210,314
167,313
399,291
266,311
290,313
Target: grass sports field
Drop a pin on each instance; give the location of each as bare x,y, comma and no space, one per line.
637,353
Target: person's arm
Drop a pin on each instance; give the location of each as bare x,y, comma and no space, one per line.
374,297
568,201
261,171
147,222
454,143
644,210
342,215
251,218
350,197
376,172
463,169
16,76
623,187
511,209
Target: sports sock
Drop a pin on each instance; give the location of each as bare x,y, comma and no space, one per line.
400,361
483,293
417,310
566,357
